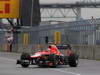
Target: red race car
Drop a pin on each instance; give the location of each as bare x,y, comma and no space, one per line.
47,59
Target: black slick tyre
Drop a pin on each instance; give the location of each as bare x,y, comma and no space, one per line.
73,60
25,60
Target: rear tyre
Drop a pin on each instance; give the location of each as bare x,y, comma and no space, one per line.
25,60
73,60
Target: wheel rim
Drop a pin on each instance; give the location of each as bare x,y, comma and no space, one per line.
76,61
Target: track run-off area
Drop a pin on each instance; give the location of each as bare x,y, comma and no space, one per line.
8,67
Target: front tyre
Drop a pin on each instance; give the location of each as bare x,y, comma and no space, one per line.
24,65
25,60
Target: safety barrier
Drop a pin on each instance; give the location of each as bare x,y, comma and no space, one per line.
87,52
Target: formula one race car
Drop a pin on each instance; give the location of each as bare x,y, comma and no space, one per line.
46,59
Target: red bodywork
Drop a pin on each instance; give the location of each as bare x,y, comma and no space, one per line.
44,52
38,54
54,50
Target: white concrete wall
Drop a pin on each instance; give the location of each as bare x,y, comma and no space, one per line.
87,52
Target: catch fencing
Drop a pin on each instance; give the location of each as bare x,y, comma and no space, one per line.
84,32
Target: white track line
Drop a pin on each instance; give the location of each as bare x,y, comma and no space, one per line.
67,72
